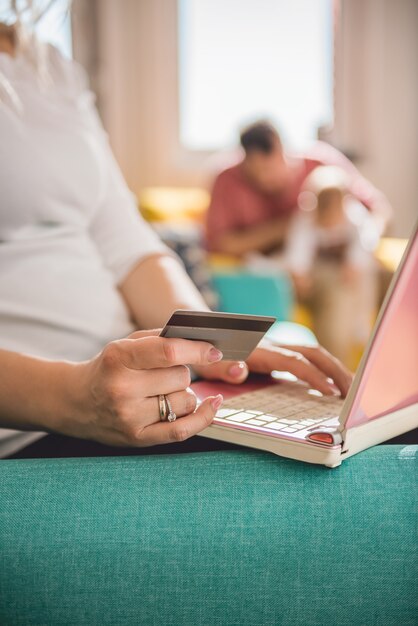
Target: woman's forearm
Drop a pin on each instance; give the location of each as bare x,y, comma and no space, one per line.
113,398
156,287
34,393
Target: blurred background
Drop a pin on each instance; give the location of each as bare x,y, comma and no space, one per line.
176,80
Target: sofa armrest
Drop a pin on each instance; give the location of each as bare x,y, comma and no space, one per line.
219,538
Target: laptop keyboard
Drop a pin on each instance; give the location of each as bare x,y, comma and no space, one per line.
279,408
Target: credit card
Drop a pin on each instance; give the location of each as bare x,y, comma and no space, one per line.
234,335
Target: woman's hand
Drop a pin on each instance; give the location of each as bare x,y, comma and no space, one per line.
314,365
117,392
114,397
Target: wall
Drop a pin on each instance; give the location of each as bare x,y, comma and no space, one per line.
134,70
135,75
376,98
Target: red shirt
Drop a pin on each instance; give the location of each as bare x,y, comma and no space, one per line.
237,204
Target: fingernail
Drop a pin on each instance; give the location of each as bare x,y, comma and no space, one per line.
214,355
217,401
237,370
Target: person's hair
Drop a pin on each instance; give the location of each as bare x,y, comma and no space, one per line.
324,186
18,20
260,137
327,198
25,11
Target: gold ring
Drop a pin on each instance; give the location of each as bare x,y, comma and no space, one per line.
163,408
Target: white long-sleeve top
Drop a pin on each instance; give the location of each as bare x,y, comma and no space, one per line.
69,228
306,238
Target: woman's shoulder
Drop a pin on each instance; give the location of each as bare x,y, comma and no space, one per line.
64,71
44,63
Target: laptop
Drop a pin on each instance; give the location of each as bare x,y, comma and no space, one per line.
289,419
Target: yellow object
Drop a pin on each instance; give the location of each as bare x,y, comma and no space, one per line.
302,316
174,204
389,252
224,262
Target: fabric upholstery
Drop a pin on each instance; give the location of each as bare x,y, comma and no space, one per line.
221,538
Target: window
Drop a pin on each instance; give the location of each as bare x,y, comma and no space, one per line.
243,60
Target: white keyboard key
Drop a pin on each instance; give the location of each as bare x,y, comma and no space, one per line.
255,422
224,412
276,426
289,430
239,417
269,418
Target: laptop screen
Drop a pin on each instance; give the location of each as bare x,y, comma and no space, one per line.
390,377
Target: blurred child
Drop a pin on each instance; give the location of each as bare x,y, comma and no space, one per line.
330,257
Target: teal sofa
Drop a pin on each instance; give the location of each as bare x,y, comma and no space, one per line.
232,538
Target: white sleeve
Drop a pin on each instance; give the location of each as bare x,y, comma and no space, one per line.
120,233
301,245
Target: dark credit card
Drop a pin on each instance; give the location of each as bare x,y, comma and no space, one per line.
234,335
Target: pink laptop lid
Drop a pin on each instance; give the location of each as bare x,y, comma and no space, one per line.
390,375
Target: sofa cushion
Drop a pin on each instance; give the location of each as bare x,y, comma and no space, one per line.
219,538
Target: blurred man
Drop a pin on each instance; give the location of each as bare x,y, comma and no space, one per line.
252,202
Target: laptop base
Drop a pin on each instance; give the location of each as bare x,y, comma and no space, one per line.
299,451
354,440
